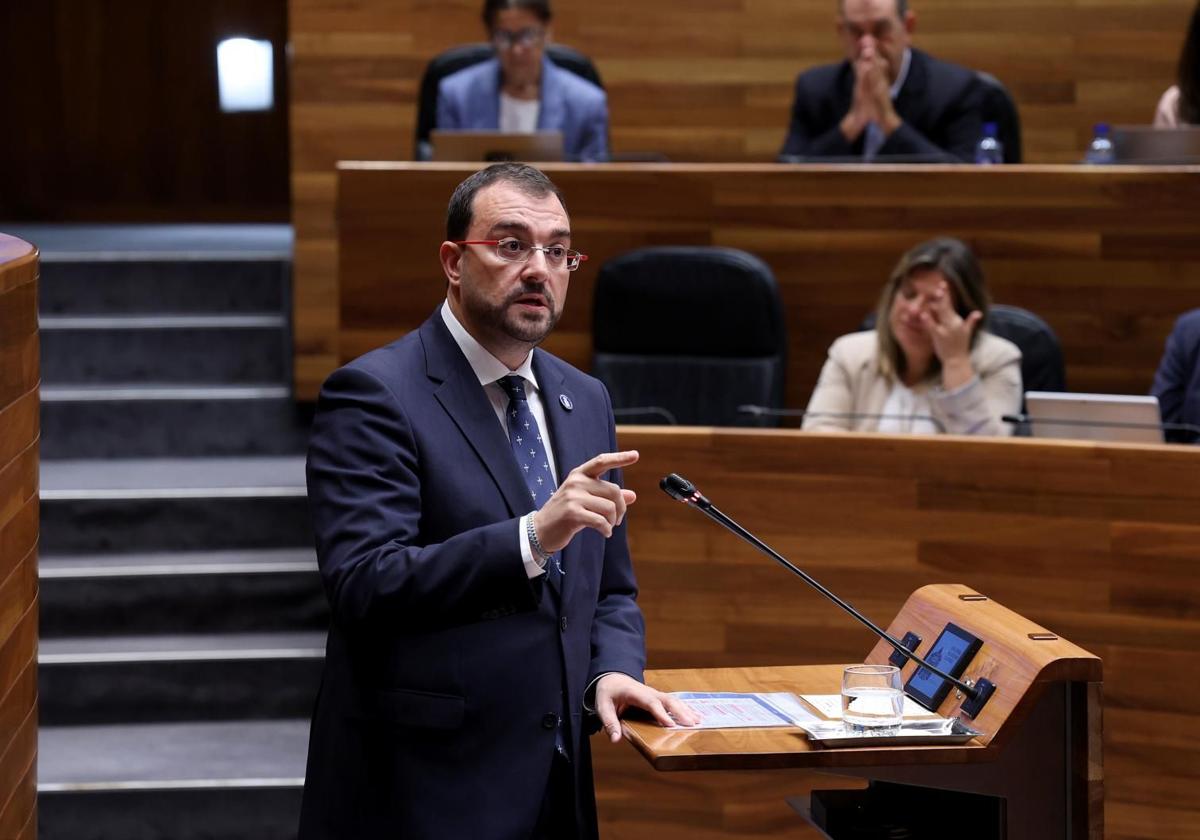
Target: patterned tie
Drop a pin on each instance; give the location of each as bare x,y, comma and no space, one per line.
528,447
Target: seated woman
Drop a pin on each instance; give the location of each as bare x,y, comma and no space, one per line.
522,91
927,366
1180,105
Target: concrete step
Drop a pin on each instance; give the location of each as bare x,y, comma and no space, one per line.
137,420
204,348
173,504
236,780
201,592
229,676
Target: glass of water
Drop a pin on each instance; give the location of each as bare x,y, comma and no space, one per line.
872,699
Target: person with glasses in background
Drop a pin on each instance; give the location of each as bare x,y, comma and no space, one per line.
521,90
887,100
469,517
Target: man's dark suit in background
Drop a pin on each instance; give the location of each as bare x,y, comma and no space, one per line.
1177,382
939,103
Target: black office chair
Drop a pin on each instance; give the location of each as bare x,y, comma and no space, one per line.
1042,367
456,58
997,106
688,334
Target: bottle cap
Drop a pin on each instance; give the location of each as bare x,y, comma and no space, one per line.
990,129
1101,128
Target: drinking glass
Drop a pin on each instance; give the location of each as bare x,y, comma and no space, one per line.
872,700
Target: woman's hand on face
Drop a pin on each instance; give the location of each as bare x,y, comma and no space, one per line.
949,331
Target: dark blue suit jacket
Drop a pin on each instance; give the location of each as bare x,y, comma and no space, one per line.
469,100
446,666
940,104
1177,382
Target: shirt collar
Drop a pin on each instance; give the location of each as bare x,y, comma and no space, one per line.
903,74
487,367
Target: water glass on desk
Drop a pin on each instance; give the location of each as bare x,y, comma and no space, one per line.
872,699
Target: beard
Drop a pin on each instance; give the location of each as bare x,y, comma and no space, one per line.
507,319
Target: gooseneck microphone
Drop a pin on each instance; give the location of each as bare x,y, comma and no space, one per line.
680,489
766,411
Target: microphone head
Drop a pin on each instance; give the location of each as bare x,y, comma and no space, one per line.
677,487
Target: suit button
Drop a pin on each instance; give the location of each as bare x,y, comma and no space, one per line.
549,721
562,623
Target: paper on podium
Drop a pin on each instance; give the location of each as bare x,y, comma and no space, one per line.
830,707
734,710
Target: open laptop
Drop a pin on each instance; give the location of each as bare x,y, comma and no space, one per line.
492,146
1148,145
1115,418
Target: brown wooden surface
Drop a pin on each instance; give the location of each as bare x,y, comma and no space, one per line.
18,538
1109,257
700,80
120,119
1100,544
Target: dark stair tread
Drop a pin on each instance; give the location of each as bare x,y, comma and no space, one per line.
149,321
170,477
133,391
189,647
63,242
172,755
169,563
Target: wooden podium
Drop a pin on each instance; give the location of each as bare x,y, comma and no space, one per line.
1036,770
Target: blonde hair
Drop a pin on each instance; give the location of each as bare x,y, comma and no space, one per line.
956,262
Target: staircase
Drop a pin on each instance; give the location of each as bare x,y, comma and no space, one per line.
182,619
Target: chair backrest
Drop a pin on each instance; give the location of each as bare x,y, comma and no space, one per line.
689,333
998,106
1042,367
456,58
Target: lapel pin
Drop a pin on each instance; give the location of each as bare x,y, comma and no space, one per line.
566,402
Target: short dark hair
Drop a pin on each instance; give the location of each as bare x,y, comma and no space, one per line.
901,7
1189,72
956,262
529,180
541,8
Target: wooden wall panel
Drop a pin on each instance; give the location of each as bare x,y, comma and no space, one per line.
121,119
699,80
18,538
1109,257
1098,543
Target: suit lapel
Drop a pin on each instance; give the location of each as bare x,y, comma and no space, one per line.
461,395
487,107
550,113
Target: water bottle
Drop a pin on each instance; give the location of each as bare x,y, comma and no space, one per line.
989,149
1100,150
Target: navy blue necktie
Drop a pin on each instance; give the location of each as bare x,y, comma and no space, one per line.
528,448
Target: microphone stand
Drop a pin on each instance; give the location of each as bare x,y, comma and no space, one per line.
679,488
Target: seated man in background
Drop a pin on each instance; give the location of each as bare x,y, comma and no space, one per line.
522,91
1177,382
887,98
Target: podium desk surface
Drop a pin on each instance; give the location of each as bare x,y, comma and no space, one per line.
770,748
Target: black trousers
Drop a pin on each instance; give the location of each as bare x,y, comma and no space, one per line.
558,819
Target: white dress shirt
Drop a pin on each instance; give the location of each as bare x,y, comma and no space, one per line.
518,116
488,369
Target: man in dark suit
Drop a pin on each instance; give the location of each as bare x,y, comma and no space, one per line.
886,99
469,518
1177,381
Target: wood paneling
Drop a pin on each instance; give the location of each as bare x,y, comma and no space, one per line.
702,80
18,538
1098,543
120,118
1109,257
